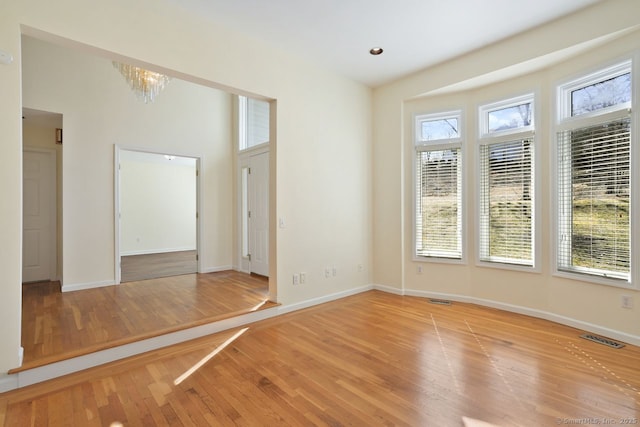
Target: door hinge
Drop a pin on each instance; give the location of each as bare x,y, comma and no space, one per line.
197,257
197,172
249,256
249,214
249,171
197,215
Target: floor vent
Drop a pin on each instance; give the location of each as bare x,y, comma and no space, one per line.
439,301
603,341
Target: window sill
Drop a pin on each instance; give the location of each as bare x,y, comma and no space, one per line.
508,266
598,280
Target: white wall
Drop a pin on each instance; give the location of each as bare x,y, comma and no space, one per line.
321,174
532,62
184,119
157,203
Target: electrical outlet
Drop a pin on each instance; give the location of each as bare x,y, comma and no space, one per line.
303,278
334,271
419,269
626,301
327,272
360,268
296,279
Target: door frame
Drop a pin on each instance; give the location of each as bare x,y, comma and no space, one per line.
53,207
117,203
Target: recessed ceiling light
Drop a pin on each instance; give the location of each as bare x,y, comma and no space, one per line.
376,51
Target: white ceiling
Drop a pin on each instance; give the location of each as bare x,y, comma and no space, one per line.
415,34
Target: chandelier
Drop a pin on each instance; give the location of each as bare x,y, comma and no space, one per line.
144,83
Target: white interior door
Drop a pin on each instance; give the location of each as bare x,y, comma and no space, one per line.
38,201
258,201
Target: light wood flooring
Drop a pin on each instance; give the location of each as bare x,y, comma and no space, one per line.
152,266
369,359
57,326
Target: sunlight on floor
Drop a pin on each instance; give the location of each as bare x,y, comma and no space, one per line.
257,306
470,422
208,357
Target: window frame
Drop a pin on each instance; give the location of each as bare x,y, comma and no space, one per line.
487,139
421,145
244,118
565,121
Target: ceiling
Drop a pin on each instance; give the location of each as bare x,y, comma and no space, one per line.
415,34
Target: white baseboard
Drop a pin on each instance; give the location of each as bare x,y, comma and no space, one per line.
321,300
217,269
156,251
540,314
88,285
8,382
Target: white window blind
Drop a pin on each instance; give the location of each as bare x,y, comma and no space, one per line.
438,203
506,189
253,122
594,199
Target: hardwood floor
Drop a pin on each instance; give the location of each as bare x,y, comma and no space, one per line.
369,359
57,326
152,266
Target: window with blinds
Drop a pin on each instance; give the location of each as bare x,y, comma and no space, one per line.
594,180
506,182
438,186
438,204
506,206
594,167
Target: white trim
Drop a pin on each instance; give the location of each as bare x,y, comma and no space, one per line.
217,269
87,285
8,382
323,299
158,251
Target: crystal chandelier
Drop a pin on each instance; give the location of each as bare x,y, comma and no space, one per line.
144,83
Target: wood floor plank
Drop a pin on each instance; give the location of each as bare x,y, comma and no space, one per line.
369,359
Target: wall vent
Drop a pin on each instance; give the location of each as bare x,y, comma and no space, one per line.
439,301
603,341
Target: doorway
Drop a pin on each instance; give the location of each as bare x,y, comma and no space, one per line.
157,215
41,201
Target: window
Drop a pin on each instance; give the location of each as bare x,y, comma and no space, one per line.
594,167
506,186
438,220
253,117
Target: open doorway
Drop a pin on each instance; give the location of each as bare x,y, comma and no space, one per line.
157,205
42,195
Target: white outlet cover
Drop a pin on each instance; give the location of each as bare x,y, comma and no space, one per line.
5,57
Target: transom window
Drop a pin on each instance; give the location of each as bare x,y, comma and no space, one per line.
253,120
438,214
594,170
510,116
